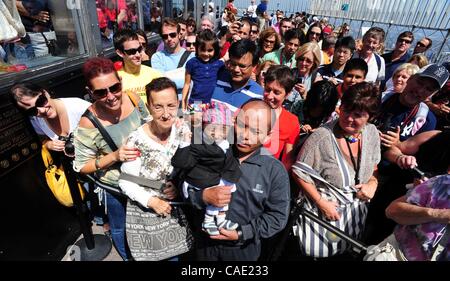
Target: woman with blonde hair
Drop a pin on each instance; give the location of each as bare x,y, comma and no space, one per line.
308,59
397,83
418,59
269,41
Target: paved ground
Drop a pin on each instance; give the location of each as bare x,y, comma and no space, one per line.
113,255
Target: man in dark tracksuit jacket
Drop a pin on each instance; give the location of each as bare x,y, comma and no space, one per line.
260,205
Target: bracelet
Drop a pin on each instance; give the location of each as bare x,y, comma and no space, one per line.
240,235
97,164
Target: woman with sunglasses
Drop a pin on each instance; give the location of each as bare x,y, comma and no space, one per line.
51,118
308,61
119,115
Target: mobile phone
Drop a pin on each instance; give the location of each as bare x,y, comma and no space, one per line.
299,80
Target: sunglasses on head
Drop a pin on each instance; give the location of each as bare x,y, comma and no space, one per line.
41,101
131,52
166,36
190,44
101,93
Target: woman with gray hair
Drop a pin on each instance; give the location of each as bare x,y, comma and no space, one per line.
397,83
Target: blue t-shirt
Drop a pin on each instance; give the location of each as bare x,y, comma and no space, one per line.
204,76
402,113
234,98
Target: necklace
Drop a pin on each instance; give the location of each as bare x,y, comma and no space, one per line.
351,139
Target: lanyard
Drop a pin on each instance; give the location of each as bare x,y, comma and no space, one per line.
410,116
281,59
356,165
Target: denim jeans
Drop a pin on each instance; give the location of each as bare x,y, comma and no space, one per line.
116,211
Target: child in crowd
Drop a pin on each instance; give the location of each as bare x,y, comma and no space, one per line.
202,70
210,163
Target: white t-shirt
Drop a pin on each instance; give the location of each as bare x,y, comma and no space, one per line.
75,107
373,74
251,10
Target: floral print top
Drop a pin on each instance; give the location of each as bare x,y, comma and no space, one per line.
154,162
418,242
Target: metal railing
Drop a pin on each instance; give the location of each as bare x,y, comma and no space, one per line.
430,18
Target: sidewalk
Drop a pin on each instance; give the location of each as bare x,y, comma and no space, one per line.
113,255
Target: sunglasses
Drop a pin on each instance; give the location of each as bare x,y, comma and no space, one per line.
315,33
254,31
269,41
131,52
303,59
101,93
404,40
421,45
41,101
190,44
166,36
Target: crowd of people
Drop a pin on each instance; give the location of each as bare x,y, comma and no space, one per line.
240,119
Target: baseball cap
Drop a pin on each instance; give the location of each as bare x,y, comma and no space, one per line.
436,72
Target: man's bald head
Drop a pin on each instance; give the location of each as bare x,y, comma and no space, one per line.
258,107
253,125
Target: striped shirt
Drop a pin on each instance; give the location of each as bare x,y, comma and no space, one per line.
234,98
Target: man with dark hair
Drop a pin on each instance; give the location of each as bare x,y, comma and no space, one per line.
134,75
423,45
172,60
260,204
254,32
399,55
286,55
234,86
355,71
285,25
343,51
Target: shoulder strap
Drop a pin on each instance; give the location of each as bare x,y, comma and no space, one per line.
133,99
153,184
184,58
378,59
88,114
136,104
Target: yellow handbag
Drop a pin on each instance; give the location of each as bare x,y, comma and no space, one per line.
57,181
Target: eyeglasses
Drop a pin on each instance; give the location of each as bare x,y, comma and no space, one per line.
233,65
41,101
166,36
190,44
420,44
315,33
404,40
133,51
303,59
101,93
